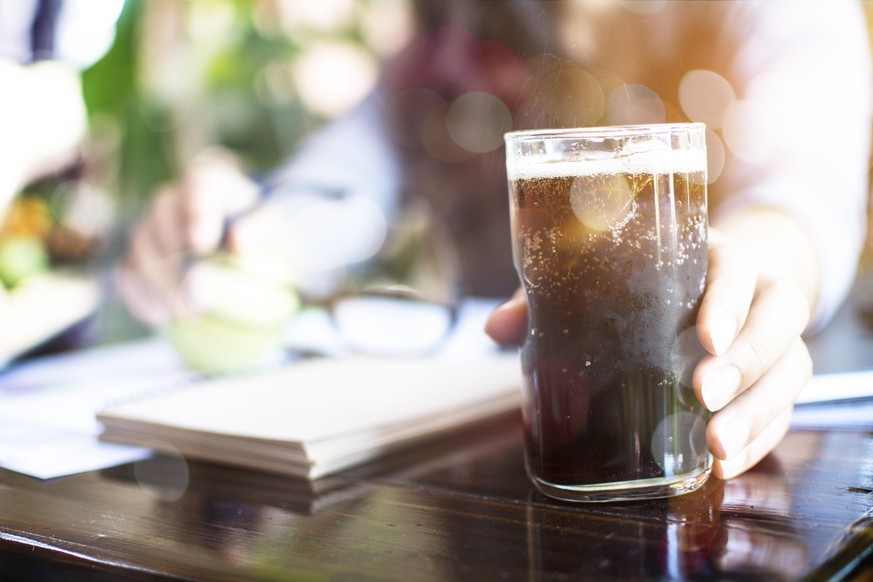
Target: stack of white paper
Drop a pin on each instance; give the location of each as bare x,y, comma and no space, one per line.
313,418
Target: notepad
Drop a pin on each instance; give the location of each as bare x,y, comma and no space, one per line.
312,418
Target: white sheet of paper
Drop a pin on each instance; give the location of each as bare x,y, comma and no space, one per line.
839,400
838,386
41,308
849,415
48,406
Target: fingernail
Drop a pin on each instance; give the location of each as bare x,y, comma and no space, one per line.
723,332
719,386
733,437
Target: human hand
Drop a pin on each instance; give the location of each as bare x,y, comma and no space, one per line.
189,273
756,365
185,219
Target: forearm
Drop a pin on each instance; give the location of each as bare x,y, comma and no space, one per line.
805,152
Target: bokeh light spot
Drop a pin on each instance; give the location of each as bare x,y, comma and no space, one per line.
704,96
333,77
766,120
163,477
743,133
569,95
602,202
476,121
321,16
632,104
435,137
387,25
715,156
211,23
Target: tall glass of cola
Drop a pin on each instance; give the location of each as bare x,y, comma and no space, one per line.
609,233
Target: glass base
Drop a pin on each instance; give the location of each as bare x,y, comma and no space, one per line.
626,490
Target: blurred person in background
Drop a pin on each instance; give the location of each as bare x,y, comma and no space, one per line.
44,44
785,90
45,217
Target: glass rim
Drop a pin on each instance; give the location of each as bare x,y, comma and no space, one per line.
604,131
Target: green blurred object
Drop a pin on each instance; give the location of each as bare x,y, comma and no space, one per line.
215,97
241,327
183,77
213,346
21,256
112,93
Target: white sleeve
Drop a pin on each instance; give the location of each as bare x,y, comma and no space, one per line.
15,21
84,33
339,193
86,30
801,129
351,156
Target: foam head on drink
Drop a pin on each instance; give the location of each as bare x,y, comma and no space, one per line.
611,252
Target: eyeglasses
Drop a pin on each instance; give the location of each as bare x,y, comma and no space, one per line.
394,321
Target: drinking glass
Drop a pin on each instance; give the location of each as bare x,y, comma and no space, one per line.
609,230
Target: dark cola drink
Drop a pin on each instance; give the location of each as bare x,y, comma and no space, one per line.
611,250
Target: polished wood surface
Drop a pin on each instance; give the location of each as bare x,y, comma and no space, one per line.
460,509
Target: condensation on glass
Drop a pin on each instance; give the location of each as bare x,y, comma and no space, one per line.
609,233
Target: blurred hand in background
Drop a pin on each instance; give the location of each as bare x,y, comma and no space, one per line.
185,221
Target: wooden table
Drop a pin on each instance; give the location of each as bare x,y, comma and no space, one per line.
461,509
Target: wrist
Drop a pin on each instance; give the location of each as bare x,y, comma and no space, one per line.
779,246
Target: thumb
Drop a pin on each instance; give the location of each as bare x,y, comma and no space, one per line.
263,244
255,232
214,189
508,324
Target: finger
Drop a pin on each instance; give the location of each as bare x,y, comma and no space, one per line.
753,453
139,298
778,316
213,189
730,286
750,414
166,223
159,245
203,212
154,273
507,325
260,231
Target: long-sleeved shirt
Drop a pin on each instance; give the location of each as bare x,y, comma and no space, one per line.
785,88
